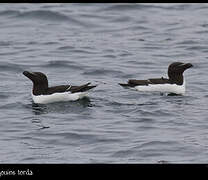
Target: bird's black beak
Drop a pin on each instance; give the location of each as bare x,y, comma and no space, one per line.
188,65
29,75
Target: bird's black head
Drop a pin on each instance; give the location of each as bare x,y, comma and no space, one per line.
175,71
40,81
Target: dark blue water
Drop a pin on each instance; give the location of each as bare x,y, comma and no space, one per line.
103,44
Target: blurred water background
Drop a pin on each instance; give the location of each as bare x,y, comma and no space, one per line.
103,44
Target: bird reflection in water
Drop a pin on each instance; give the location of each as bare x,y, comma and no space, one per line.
61,107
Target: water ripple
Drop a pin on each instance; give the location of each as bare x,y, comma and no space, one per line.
43,15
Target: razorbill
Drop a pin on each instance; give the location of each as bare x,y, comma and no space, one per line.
42,94
175,84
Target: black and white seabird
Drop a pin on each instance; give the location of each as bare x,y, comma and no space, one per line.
174,84
42,94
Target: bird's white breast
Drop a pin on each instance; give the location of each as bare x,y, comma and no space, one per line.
164,88
58,97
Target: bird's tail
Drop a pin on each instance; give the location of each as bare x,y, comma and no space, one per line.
125,85
82,88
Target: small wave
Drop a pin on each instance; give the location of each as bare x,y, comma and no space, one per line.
64,64
9,53
139,6
158,143
43,15
203,7
121,19
79,136
65,48
188,42
204,25
114,103
125,54
11,105
48,15
5,66
9,13
84,51
109,56
136,28
72,138
4,95
146,120
5,43
119,7
158,113
205,31
123,153
49,43
102,72
71,49
197,48
133,6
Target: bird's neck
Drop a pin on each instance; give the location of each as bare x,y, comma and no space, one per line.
39,89
177,79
